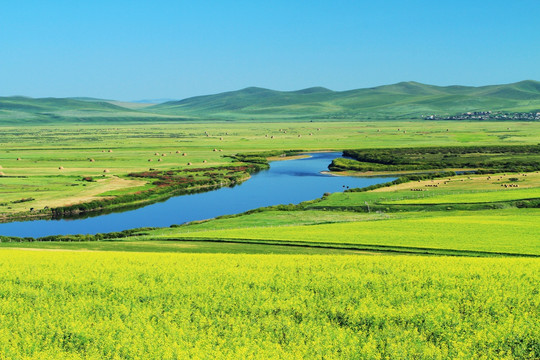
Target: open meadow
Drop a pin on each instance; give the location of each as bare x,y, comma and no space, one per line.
433,265
46,167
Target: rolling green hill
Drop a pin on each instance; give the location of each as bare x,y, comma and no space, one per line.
398,101
23,110
405,100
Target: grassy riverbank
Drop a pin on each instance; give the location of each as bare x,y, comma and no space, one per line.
318,279
44,167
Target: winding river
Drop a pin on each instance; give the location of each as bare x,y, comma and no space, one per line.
286,182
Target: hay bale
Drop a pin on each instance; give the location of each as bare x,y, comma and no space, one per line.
214,150
271,137
189,164
159,159
2,173
60,168
157,154
18,159
299,135
163,154
178,151
220,149
106,171
220,138
110,150
149,159
204,161
91,160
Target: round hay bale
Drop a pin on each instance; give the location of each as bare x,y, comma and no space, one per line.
220,149
106,171
214,150
159,159
60,168
204,161
299,135
178,151
271,137
163,154
157,154
149,159
110,150
18,159
220,138
310,134
91,160
184,154
189,163
266,135
2,173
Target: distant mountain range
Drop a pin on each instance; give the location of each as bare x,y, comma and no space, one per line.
405,100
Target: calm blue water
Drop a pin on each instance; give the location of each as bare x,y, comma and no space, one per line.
286,182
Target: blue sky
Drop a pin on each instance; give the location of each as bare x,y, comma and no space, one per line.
131,50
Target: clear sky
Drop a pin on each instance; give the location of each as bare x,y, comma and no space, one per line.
130,50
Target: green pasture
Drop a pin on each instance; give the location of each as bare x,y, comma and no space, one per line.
509,231
53,160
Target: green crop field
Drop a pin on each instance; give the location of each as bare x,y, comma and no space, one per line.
503,231
91,305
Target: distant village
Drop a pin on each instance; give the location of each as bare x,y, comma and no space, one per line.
487,115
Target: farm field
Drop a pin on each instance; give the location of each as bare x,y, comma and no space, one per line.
448,272
94,305
461,189
509,231
43,167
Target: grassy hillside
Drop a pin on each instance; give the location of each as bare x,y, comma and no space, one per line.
17,110
398,101
405,100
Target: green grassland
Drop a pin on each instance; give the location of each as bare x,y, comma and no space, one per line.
397,101
87,305
54,160
406,100
316,280
510,231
